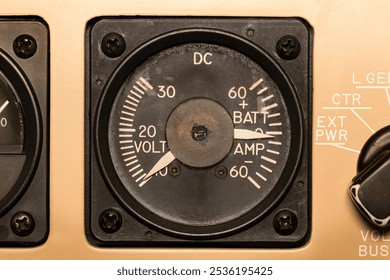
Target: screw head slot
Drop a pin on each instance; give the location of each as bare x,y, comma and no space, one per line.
25,46
288,47
110,221
113,45
22,224
285,222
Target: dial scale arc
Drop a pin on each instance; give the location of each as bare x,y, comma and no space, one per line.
132,101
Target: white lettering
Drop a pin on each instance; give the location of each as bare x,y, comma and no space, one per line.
148,147
347,99
354,81
372,78
373,250
374,235
3,122
246,118
200,58
332,135
364,235
330,121
362,250
253,149
379,78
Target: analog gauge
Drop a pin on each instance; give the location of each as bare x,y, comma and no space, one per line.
199,133
24,119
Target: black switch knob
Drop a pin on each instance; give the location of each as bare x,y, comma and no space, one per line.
370,189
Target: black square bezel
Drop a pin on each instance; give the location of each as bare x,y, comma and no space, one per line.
99,68
32,201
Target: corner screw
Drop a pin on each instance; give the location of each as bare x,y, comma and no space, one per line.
113,45
288,47
25,46
285,222
22,224
110,220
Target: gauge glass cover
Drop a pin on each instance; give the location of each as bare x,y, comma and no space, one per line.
221,119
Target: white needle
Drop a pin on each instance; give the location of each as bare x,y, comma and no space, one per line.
3,106
162,162
246,134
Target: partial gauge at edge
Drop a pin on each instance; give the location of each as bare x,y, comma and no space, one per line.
199,133
19,131
24,132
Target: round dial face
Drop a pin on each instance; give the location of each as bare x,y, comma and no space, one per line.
11,121
200,138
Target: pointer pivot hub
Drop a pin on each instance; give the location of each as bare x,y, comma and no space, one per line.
199,132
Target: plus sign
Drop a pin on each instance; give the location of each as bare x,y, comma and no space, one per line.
243,104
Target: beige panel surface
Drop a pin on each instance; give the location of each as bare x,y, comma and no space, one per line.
351,45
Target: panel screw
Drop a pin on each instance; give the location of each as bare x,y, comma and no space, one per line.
113,45
285,222
149,234
22,224
99,82
220,172
25,46
288,47
250,32
110,220
174,169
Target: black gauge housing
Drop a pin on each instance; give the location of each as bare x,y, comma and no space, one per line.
127,210
24,147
